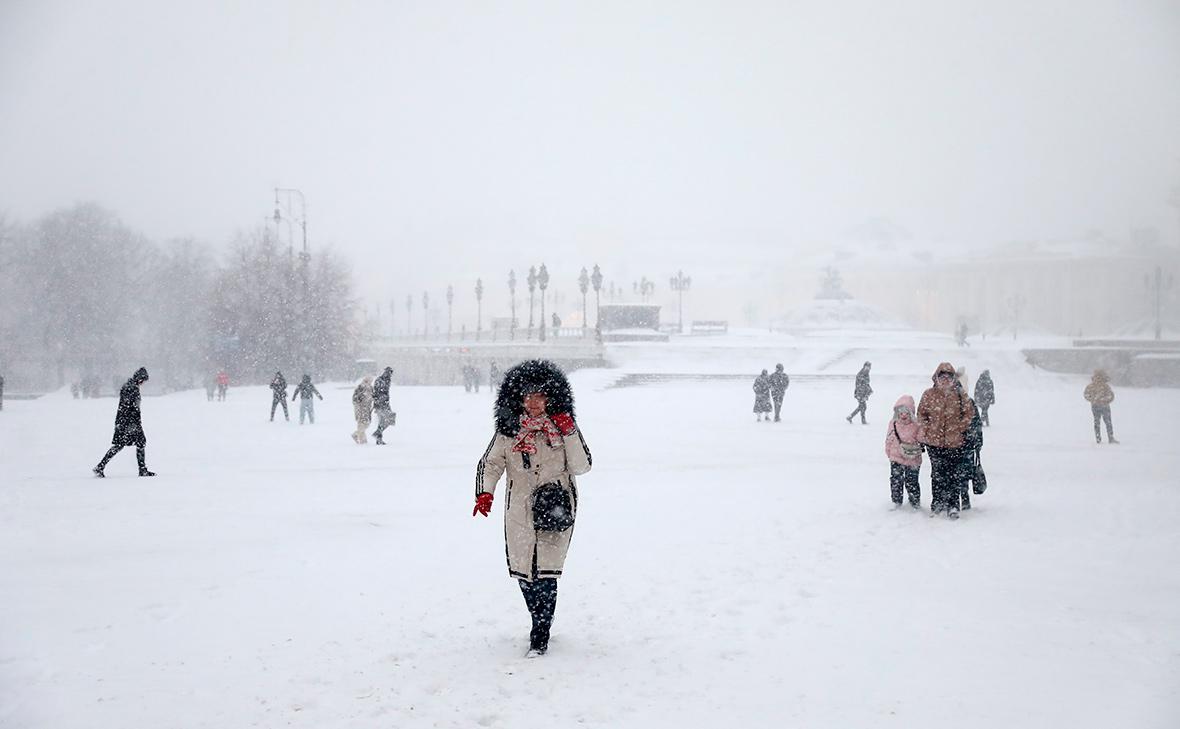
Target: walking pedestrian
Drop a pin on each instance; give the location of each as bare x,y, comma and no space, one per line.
944,414
1100,396
128,425
385,415
2,392
861,391
362,407
278,386
222,385
762,396
539,445
305,390
903,447
985,395
210,387
779,382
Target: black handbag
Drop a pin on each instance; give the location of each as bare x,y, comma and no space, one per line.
552,510
979,478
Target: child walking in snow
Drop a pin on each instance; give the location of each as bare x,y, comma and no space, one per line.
904,449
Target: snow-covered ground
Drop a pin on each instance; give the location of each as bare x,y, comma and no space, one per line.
723,572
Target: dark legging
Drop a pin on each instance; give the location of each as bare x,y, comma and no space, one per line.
140,455
904,478
541,597
949,476
1102,413
860,408
275,403
983,414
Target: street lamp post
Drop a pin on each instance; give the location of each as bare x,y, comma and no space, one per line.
425,314
409,316
450,302
584,286
478,307
543,282
680,283
1156,286
512,303
596,281
532,281
644,288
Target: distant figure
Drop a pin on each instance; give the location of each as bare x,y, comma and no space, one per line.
385,415
556,324
985,395
762,396
278,387
75,390
222,385
2,392
961,378
903,447
305,390
362,406
494,376
210,387
961,335
1100,396
779,382
468,377
128,425
861,391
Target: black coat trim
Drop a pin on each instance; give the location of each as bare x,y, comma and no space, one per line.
536,375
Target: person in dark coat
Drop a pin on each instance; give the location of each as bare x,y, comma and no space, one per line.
385,415
306,391
128,425
494,375
779,382
762,396
278,386
985,395
538,446
861,392
1,392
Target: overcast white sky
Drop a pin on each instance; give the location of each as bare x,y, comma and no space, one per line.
448,139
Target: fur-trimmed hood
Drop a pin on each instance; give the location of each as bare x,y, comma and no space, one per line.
535,375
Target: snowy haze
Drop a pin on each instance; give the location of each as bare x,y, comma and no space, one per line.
624,133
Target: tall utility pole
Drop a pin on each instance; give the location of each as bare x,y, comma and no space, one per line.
478,307
1156,286
583,286
543,282
450,301
512,303
681,283
532,281
596,280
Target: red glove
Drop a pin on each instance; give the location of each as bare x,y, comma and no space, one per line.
564,423
483,504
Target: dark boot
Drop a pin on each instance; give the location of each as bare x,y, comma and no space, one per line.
98,470
141,456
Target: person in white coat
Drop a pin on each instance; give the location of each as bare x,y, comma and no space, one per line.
541,450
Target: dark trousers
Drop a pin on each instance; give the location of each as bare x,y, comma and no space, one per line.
904,478
140,455
384,420
778,405
860,408
1102,412
275,403
949,478
983,414
541,597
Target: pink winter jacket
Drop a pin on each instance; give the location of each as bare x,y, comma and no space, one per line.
903,431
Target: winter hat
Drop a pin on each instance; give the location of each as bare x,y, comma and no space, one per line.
140,376
532,376
778,368
944,367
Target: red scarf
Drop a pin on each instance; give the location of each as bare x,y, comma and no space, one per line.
530,428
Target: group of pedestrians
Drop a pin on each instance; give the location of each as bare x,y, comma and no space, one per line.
373,397
217,386
769,391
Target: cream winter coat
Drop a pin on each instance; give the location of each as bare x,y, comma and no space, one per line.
533,554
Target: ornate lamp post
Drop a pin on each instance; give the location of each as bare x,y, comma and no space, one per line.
1156,286
450,302
596,281
410,315
644,288
583,286
478,307
543,282
425,314
392,318
532,281
680,283
512,303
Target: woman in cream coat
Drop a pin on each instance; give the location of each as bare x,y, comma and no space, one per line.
536,443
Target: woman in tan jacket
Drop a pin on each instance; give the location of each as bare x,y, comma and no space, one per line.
541,449
1100,396
944,414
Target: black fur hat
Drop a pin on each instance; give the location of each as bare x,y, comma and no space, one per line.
534,375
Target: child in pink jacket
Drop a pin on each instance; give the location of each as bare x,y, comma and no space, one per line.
904,449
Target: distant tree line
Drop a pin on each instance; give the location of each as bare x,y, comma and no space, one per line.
83,295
